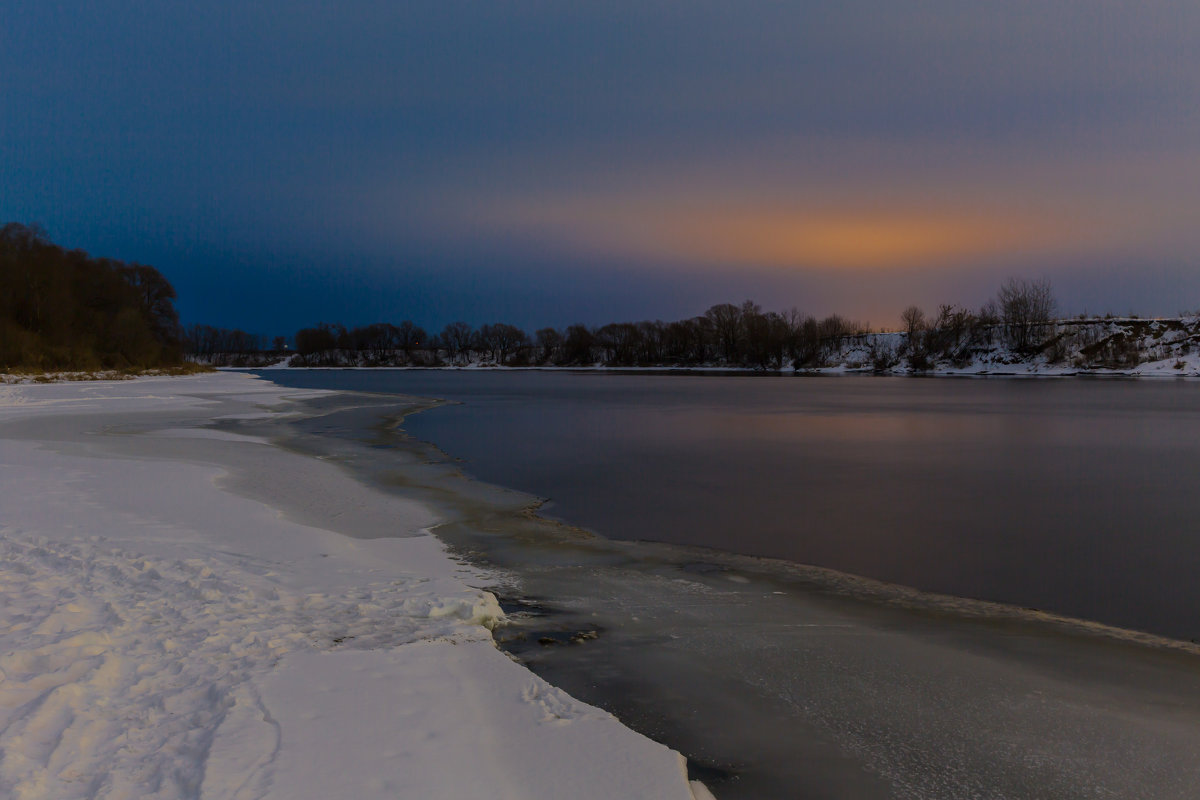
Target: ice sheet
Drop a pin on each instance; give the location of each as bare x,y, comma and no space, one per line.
166,638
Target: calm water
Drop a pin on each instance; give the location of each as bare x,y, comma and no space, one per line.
1076,496
779,681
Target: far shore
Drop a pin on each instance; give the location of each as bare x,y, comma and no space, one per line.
1153,371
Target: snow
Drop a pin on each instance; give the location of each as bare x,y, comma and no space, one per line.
480,699
1150,348
280,364
168,634
1109,346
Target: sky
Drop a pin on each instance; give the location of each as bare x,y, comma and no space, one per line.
545,162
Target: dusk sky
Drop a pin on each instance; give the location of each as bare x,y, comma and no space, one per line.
545,163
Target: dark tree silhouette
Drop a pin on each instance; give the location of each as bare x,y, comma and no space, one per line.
726,320
313,341
456,339
579,346
549,343
66,310
1026,308
409,336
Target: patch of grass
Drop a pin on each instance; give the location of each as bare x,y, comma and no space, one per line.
22,375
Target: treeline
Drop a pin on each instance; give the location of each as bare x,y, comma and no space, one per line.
1017,326
1019,318
726,334
66,310
231,347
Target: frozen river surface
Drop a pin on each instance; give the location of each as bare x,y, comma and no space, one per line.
779,680
1073,496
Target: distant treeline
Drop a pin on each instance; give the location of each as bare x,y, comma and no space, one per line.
724,335
727,334
65,310
231,347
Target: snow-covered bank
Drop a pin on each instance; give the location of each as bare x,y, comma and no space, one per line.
1123,347
958,345
164,637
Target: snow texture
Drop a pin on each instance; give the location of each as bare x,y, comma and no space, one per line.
1109,346
163,637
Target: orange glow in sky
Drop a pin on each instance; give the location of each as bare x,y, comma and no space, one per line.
771,237
845,240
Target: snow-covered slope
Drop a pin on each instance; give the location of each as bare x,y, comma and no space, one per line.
1116,346
1108,346
164,637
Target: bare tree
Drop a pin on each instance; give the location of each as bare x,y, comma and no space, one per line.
409,335
951,334
726,320
549,341
505,339
914,322
1026,309
579,345
157,297
318,341
619,340
915,326
456,338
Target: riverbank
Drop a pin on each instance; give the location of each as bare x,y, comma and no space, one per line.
65,376
1109,346
779,680
198,613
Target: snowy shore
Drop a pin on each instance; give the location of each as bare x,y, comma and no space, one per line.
1123,347
193,613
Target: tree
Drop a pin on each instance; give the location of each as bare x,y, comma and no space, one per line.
157,298
766,338
67,310
1026,308
409,335
501,339
578,346
952,332
509,339
915,327
649,342
549,342
619,340
688,341
456,338
311,341
726,321
380,340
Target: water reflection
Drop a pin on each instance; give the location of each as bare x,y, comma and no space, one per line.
1074,496
781,681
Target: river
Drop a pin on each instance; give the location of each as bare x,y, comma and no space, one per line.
1074,496
697,615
